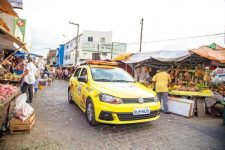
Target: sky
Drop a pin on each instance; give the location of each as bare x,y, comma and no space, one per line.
48,21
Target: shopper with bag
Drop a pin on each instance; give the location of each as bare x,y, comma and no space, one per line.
29,79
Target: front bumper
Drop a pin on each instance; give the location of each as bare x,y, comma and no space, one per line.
123,113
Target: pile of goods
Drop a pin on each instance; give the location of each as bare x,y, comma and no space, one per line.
6,91
219,88
22,110
20,65
10,76
184,79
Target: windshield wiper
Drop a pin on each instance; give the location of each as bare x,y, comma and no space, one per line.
103,80
121,81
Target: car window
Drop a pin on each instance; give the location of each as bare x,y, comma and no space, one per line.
77,72
84,72
110,75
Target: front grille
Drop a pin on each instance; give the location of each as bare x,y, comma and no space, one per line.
135,100
130,116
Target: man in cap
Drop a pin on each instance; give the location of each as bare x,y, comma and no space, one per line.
162,79
29,79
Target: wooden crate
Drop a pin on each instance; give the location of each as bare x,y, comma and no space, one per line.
5,110
18,126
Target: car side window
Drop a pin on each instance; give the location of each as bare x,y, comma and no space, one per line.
84,72
77,72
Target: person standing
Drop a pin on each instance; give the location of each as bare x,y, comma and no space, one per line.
29,79
145,77
66,74
162,79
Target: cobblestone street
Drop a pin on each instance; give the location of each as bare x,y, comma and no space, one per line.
62,126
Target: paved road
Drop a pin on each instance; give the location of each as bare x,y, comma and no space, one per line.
62,126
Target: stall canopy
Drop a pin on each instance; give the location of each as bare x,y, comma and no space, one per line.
21,54
7,8
8,41
163,56
211,52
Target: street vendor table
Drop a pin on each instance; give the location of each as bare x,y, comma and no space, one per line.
199,97
4,108
223,103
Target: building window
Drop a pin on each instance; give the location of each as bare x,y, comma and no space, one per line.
102,40
71,44
67,46
90,39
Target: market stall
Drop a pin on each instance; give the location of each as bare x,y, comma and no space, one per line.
190,81
9,45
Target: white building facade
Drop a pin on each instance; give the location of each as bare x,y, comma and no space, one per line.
92,45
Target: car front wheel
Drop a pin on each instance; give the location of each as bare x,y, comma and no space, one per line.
90,113
70,99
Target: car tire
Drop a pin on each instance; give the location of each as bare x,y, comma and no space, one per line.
90,113
70,99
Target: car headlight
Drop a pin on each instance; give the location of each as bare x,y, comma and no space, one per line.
110,99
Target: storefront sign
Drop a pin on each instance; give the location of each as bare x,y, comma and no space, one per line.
105,47
16,3
21,24
220,71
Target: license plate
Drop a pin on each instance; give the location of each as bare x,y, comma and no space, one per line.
141,111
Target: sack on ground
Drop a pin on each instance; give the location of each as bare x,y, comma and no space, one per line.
23,110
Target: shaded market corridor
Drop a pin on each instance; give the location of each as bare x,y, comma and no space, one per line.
60,125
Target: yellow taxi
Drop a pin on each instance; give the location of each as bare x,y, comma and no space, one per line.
108,94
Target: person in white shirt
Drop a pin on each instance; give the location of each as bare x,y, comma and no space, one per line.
29,79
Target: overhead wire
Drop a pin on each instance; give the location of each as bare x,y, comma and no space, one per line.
182,38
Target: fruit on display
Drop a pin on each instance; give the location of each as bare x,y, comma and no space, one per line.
10,76
218,88
187,79
6,91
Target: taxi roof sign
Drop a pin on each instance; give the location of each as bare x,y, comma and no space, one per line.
102,62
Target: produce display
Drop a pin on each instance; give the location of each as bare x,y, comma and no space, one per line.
20,65
10,76
185,79
6,91
218,88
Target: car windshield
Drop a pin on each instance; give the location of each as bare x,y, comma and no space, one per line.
110,75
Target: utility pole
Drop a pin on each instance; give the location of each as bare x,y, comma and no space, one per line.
112,50
142,21
98,52
77,38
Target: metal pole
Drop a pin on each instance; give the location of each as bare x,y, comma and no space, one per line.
76,53
112,50
98,52
142,20
98,48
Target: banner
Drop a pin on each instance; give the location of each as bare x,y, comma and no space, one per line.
16,3
21,24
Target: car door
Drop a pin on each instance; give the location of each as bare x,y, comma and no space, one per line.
83,89
74,84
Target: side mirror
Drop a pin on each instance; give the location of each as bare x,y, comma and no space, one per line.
82,79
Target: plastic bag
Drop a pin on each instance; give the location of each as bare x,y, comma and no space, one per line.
22,110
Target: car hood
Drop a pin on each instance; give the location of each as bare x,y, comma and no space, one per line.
124,89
